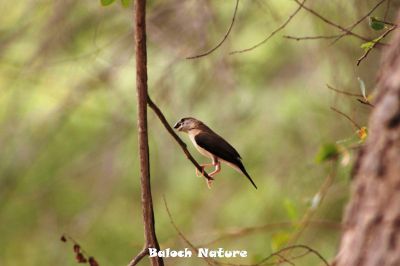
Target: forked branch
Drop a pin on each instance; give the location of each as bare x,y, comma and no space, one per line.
281,27
223,39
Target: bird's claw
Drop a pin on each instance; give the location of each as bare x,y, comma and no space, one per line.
198,174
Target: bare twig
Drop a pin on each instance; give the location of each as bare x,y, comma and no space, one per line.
365,102
309,249
337,37
387,9
374,43
323,190
344,92
182,236
346,116
296,38
270,226
223,39
281,27
282,257
139,257
279,254
141,91
359,21
165,123
329,22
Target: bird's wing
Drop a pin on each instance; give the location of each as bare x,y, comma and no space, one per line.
216,145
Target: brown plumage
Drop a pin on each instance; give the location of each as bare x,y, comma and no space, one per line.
211,145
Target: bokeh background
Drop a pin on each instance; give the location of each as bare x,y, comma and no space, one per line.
68,138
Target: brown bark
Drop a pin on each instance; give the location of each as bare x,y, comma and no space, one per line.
141,88
372,221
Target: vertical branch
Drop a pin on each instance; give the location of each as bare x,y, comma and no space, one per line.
141,88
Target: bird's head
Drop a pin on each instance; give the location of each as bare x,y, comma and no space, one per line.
188,123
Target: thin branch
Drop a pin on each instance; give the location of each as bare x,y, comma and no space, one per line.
182,236
346,116
165,123
139,257
374,43
269,226
280,256
387,9
344,92
329,22
359,21
317,200
365,102
337,37
223,39
211,261
318,37
272,33
309,249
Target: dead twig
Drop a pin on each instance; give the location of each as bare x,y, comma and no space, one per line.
182,236
296,38
211,261
281,27
365,102
346,116
282,257
344,92
223,39
235,233
337,37
359,21
387,9
329,22
182,144
307,248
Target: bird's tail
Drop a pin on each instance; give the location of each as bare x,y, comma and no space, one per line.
241,166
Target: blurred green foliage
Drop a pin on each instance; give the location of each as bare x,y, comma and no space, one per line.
68,160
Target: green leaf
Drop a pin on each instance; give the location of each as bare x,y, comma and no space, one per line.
376,24
291,209
107,2
327,152
126,3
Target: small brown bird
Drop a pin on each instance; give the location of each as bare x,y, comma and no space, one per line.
211,145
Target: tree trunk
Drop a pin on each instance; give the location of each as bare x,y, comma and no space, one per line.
372,220
141,84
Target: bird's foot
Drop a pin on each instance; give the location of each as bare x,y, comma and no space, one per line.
198,174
